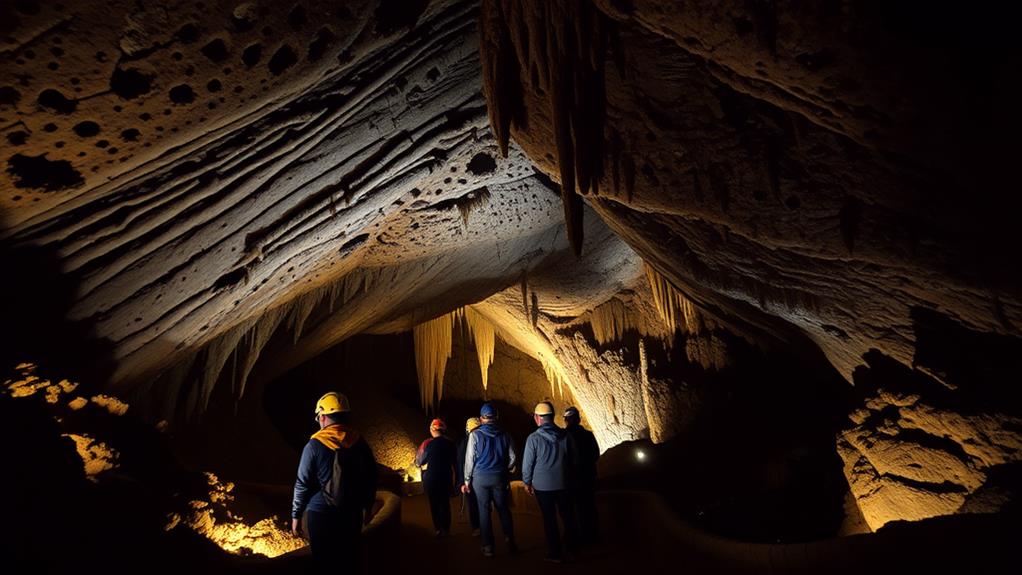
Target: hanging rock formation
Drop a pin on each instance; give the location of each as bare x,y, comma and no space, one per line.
197,197
820,174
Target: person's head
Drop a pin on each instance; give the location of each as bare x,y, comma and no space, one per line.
571,416
437,427
471,424
331,409
543,413
488,413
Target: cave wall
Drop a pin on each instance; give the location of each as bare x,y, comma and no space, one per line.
276,192
916,449
514,378
219,192
817,174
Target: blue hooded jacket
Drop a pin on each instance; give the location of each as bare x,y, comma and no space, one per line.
491,451
546,459
316,468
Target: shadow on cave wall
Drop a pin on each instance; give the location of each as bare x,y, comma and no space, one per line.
955,368
113,526
755,459
62,522
37,297
982,367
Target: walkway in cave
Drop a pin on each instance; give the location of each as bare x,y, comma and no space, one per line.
460,552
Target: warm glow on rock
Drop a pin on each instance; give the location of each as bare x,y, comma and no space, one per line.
30,383
96,456
216,522
111,404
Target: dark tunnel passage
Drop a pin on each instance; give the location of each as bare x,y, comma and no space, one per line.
766,249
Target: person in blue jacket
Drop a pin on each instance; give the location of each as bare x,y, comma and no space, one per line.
489,461
335,510
545,475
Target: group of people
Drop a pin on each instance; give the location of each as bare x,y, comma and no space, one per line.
558,469
336,485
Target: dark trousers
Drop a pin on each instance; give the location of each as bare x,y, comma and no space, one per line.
552,504
493,489
473,509
585,508
439,495
333,537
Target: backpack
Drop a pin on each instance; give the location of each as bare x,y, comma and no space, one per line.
337,491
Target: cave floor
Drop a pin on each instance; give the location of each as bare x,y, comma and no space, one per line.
460,552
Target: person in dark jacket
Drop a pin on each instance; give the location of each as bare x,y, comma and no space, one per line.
545,475
468,499
489,460
335,513
436,457
586,452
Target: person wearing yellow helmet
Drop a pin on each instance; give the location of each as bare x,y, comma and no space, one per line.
471,424
548,454
336,486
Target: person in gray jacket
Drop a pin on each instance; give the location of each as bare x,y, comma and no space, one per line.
544,472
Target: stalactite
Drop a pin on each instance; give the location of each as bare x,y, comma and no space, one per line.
566,44
433,341
609,321
215,356
484,336
257,339
303,308
244,343
680,314
674,308
554,375
474,200
500,65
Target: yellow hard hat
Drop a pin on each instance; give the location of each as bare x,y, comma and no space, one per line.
544,408
332,402
472,423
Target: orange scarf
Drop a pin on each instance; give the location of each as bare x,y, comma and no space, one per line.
336,436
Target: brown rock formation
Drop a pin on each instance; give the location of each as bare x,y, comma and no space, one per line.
200,196
799,171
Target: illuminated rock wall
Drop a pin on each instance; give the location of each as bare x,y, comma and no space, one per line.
818,175
923,450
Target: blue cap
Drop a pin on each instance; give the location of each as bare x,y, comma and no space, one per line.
488,410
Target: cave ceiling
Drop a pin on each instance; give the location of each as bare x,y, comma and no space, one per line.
805,173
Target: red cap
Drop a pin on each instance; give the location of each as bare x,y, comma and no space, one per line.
438,424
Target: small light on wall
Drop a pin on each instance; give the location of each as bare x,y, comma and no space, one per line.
640,455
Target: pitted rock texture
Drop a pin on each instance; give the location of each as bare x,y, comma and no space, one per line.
106,87
827,176
368,154
751,182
